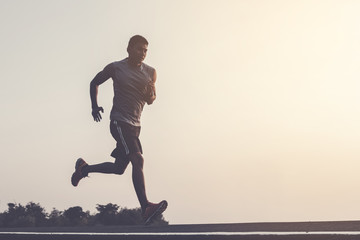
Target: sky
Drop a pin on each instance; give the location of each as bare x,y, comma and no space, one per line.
256,118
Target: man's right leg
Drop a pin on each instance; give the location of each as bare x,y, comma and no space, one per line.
120,153
118,167
82,169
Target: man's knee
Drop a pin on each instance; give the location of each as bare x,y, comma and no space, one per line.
120,167
137,160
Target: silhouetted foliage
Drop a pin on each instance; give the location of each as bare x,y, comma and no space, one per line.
56,218
33,215
108,214
75,216
130,216
36,214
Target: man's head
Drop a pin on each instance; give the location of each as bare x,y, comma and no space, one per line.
137,49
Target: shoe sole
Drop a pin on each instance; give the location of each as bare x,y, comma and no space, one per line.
159,210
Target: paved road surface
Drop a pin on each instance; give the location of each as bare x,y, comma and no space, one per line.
349,230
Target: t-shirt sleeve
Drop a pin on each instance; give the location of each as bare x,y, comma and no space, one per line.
109,70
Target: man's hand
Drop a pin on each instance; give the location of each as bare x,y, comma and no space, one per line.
150,94
96,113
151,90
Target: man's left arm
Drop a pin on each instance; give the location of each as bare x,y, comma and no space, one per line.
151,90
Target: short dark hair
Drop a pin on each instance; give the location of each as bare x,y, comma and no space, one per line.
137,39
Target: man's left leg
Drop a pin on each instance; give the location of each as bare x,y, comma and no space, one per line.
138,178
149,210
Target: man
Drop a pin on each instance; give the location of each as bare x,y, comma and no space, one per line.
134,85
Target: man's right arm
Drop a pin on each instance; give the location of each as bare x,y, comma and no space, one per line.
99,79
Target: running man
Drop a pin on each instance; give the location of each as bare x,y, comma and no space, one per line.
134,85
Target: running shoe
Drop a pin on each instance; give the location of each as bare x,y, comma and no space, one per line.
153,210
78,174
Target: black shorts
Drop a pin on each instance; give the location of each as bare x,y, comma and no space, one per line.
127,139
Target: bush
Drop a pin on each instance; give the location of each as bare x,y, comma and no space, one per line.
33,215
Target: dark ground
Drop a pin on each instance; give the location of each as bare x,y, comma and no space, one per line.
198,228
241,231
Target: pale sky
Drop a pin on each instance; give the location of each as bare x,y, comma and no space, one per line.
256,120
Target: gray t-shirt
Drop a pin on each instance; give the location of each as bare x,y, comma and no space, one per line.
130,84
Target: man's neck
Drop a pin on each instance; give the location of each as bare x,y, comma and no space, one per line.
134,63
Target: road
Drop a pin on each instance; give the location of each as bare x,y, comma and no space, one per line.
345,230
